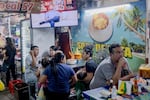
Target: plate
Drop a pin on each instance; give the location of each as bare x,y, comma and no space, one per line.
71,61
100,35
105,93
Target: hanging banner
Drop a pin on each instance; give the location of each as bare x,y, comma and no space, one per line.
16,6
37,6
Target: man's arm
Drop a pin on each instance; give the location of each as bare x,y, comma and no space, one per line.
43,79
89,77
127,77
33,64
117,74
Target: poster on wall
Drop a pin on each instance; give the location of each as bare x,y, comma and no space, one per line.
123,24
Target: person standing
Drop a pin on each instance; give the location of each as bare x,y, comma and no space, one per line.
31,68
115,67
9,60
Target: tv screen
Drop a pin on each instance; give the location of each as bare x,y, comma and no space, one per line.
54,18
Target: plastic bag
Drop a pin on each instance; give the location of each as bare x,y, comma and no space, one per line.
2,86
41,95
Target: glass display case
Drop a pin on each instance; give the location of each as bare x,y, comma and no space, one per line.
25,42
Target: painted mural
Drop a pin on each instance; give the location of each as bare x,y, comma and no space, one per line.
124,24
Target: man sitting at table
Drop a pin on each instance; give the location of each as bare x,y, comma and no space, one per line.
114,67
86,73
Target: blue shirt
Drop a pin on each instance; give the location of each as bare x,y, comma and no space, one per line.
59,84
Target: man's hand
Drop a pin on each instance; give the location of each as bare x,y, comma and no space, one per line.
122,63
32,53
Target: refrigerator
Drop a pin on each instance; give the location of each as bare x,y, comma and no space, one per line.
25,41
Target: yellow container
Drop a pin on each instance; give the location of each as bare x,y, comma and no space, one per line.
78,55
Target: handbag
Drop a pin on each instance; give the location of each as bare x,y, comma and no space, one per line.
41,95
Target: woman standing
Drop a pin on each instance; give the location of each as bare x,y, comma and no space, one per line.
60,76
9,62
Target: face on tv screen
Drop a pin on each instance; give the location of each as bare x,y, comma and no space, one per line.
54,18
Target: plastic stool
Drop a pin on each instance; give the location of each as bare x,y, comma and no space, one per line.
12,84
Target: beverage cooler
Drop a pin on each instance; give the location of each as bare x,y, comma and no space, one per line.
25,41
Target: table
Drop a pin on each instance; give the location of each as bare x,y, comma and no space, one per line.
78,65
94,94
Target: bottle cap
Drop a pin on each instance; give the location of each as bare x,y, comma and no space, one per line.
111,81
114,86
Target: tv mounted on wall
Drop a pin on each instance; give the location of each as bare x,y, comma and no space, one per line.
55,13
54,18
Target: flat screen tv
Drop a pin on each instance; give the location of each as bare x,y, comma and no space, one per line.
55,13
54,18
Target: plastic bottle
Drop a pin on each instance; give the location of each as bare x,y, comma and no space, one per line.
139,88
114,93
135,86
111,83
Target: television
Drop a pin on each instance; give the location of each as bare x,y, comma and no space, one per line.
54,18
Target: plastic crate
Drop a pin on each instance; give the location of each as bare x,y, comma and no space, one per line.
21,91
11,85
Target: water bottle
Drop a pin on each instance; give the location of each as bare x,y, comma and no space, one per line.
114,93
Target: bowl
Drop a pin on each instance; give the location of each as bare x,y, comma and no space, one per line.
78,55
71,61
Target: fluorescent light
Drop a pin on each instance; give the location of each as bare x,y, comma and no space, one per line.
106,9
116,2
